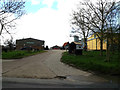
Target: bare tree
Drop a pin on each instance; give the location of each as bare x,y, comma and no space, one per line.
96,15
10,10
111,33
78,19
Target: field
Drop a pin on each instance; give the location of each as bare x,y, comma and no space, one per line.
92,61
19,54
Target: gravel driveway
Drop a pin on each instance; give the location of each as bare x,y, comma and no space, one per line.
45,66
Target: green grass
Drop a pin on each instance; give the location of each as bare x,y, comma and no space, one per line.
92,61
19,54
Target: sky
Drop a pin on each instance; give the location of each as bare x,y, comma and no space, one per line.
47,20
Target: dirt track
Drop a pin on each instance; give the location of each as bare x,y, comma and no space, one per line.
45,65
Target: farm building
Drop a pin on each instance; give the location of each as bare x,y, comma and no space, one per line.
93,42
56,47
66,45
23,44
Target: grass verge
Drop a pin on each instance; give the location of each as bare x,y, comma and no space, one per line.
19,54
92,61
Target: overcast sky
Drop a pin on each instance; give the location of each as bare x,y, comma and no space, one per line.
47,20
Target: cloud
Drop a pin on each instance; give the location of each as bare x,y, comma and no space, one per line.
35,2
48,2
47,24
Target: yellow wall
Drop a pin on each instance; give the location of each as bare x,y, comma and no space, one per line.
91,44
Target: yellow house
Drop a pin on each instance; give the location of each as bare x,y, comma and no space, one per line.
93,43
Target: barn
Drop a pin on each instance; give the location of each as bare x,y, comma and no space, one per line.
31,43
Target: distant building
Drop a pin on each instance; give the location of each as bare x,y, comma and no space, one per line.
75,48
93,42
56,47
66,45
23,44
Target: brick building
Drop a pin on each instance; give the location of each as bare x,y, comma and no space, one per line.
23,44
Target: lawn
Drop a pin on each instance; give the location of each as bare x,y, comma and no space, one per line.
19,54
92,61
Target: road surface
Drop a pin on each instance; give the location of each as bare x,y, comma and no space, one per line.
46,67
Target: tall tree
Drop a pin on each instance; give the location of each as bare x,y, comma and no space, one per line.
78,19
111,33
96,15
10,10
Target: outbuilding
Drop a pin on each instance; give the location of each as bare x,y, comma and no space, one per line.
56,47
29,43
75,48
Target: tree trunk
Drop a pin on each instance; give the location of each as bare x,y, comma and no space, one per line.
85,44
1,29
101,47
112,47
108,51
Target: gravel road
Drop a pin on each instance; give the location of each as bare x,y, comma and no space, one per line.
46,66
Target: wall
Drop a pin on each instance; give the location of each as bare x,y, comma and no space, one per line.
34,43
93,43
